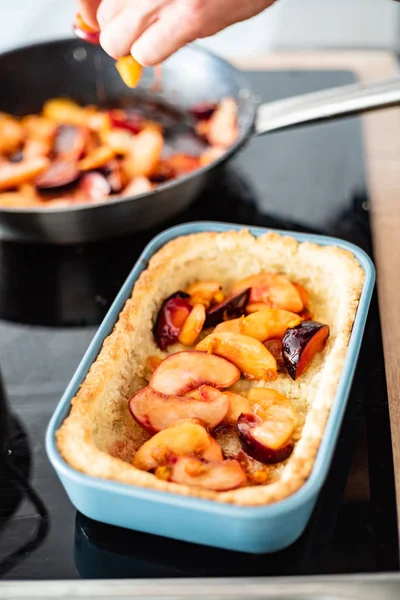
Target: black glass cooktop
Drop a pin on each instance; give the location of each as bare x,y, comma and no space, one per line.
51,300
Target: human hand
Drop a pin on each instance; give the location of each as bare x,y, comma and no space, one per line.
152,30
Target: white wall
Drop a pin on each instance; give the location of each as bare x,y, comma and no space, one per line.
330,23
288,24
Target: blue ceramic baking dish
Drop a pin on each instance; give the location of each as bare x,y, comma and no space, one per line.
246,529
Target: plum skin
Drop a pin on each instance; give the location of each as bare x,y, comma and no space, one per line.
301,343
230,308
165,331
254,448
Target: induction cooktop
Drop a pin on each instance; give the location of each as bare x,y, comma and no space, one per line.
51,300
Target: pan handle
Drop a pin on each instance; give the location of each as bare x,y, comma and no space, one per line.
326,105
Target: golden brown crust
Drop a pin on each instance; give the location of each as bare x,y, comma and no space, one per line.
100,438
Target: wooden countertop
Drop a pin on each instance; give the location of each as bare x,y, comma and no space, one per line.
382,151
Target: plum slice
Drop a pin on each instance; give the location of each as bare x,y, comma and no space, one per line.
60,174
193,325
69,142
274,345
131,121
202,111
248,354
232,307
268,323
273,289
237,405
267,432
205,292
15,174
155,411
94,186
181,439
218,476
84,32
300,344
171,317
184,371
251,432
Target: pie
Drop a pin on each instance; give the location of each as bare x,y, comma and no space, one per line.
220,373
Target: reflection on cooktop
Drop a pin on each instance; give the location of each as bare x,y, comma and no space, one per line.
75,285
15,466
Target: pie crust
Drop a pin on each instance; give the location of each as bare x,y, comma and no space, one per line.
99,437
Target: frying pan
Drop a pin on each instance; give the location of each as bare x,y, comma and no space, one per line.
32,74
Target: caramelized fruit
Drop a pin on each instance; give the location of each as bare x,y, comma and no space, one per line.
155,411
171,317
14,174
184,371
94,186
181,439
193,325
233,306
204,291
69,142
275,347
268,323
218,476
251,432
131,121
202,111
248,354
300,344
237,405
58,175
272,288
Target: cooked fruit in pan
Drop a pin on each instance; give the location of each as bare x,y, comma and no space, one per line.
123,150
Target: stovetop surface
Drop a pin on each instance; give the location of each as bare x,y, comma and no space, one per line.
52,299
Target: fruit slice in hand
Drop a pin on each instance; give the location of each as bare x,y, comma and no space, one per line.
272,288
248,354
130,70
84,32
267,434
184,371
233,306
237,405
218,476
181,439
171,318
300,344
155,411
268,323
193,325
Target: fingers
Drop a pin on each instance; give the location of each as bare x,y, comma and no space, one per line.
108,10
162,39
122,30
88,10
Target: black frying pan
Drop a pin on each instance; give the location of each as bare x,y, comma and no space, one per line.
31,75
